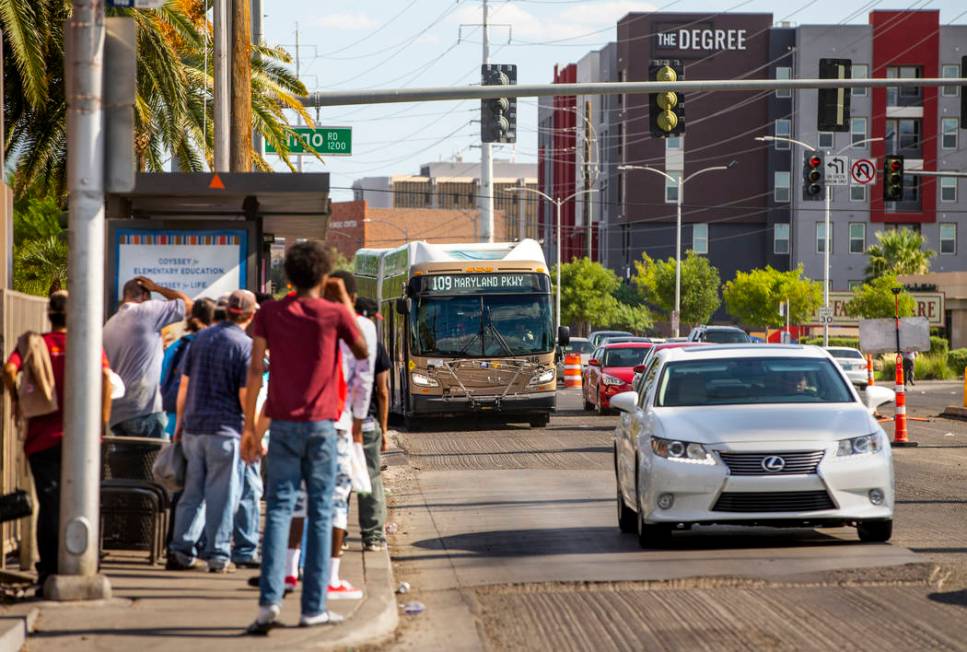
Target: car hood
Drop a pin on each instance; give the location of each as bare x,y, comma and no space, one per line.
728,424
624,373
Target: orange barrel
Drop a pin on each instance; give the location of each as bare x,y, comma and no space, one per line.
572,370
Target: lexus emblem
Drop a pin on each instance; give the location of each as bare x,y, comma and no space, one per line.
773,464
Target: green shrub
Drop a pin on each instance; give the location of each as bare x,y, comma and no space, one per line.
957,360
853,342
932,366
939,345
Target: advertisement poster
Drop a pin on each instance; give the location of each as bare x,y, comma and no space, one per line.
199,263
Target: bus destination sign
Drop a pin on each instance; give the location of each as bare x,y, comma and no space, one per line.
504,282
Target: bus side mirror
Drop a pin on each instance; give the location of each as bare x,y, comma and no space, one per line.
402,306
563,335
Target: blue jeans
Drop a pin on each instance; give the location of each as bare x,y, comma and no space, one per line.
208,501
299,451
149,425
246,533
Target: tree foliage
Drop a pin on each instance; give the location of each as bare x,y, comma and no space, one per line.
875,300
40,246
587,294
898,251
753,297
700,286
174,104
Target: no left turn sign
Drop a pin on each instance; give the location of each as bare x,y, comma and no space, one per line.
863,171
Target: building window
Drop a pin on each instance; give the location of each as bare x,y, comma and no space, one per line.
700,238
783,72
948,238
781,187
860,71
825,140
948,127
903,136
857,130
857,193
857,237
903,95
821,238
783,130
780,239
948,189
950,70
673,142
671,188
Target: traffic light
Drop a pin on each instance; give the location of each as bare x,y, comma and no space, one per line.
893,178
813,179
833,109
666,110
498,117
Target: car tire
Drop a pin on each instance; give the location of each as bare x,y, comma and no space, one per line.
600,411
651,535
540,420
627,519
875,531
588,405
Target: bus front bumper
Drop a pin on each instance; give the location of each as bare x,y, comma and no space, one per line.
532,403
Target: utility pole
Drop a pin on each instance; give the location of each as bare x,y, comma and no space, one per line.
222,88
587,178
241,90
297,76
77,577
486,160
258,145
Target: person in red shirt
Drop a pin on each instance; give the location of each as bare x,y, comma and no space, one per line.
45,433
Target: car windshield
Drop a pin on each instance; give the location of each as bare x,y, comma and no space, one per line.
852,354
487,325
725,336
751,381
625,357
581,346
599,338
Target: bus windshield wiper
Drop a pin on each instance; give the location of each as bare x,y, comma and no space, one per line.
489,323
473,339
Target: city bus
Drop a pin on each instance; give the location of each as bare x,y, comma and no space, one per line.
469,328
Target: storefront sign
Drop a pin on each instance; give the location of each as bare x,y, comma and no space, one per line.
700,39
929,305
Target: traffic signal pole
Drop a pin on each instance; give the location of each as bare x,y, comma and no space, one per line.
487,161
827,245
77,577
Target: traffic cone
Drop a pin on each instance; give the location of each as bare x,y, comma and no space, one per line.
870,376
900,435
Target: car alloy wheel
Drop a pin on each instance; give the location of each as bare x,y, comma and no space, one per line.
875,531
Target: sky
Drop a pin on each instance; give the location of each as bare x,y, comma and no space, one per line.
387,44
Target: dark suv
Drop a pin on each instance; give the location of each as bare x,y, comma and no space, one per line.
718,335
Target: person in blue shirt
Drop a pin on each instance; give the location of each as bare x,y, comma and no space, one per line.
173,364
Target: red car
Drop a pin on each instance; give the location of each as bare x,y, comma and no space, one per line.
609,371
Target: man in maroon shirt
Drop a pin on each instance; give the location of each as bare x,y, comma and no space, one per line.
302,332
45,433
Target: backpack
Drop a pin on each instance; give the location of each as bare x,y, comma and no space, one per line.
172,380
36,393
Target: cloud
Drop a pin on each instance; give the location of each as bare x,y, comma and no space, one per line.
347,20
570,23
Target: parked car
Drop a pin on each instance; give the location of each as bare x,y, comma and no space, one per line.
719,335
579,345
609,372
624,339
852,362
596,337
750,435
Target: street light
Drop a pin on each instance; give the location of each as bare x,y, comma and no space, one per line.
827,236
401,229
558,203
680,183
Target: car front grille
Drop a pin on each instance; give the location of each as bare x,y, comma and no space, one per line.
774,501
797,463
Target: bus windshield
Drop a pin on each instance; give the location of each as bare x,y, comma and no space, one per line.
483,325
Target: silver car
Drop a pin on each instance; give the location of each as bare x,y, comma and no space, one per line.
852,362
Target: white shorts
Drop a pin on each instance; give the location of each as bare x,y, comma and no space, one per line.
344,482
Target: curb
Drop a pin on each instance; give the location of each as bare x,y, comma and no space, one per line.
955,412
15,629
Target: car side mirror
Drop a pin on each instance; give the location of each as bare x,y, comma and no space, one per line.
625,401
640,369
877,395
594,362
563,335
402,306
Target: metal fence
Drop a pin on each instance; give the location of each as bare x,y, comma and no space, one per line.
18,313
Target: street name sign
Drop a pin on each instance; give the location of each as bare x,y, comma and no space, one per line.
329,141
837,171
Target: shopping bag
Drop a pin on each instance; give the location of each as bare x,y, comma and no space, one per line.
359,470
169,467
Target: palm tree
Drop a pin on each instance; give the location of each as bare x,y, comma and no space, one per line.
173,108
41,265
897,251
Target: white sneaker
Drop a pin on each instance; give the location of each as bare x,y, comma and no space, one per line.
324,618
344,591
267,619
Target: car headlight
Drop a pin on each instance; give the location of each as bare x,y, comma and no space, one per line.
422,380
860,445
608,379
681,451
543,377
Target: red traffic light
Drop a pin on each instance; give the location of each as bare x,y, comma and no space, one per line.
895,165
814,161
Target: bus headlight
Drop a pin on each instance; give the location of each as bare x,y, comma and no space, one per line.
422,380
543,377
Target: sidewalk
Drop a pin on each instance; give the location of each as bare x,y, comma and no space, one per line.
154,609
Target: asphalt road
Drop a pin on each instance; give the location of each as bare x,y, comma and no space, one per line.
508,538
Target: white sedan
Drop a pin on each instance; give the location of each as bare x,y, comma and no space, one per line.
852,362
750,435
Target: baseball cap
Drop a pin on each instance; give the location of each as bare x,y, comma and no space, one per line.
242,302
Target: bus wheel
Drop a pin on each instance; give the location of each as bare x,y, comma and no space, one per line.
540,420
412,424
